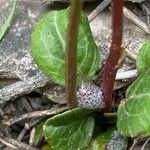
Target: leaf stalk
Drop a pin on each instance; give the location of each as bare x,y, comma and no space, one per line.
71,52
110,69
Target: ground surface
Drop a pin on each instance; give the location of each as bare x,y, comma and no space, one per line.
20,76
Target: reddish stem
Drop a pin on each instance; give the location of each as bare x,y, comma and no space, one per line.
110,69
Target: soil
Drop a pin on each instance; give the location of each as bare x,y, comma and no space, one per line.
19,92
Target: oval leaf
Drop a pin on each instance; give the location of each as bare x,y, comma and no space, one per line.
143,59
6,25
140,85
48,47
133,115
69,116
72,136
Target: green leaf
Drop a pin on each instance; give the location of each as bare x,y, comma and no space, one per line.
48,47
69,116
140,85
133,115
143,59
46,146
134,111
4,28
71,130
101,140
73,136
38,133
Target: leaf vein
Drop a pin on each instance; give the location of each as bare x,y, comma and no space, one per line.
58,32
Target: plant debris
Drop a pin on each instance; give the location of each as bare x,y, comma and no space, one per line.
27,96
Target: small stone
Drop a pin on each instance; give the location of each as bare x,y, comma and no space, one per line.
117,142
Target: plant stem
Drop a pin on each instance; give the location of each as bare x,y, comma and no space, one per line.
110,69
71,52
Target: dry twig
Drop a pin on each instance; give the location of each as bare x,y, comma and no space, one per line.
16,144
126,74
127,13
21,135
98,9
144,145
27,126
135,19
22,87
35,114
